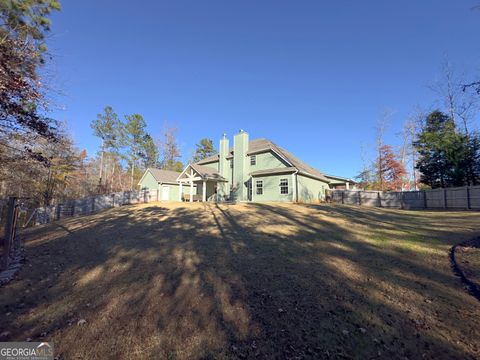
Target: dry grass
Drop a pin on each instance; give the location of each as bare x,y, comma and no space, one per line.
246,281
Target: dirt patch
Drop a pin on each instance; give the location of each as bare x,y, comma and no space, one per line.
465,258
262,281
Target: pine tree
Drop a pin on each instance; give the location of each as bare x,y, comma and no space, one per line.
204,150
447,157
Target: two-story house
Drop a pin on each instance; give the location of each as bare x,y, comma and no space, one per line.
251,170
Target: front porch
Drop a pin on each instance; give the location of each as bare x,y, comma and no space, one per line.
201,182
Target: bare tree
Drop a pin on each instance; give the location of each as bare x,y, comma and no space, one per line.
408,152
381,128
168,149
460,105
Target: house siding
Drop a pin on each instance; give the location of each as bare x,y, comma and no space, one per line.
149,182
267,160
271,188
310,190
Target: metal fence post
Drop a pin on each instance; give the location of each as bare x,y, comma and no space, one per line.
343,197
359,198
469,205
444,198
424,199
379,197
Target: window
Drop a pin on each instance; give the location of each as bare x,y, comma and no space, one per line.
259,186
253,160
283,186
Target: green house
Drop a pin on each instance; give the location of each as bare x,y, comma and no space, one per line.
252,170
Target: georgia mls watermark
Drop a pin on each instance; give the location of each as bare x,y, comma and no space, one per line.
26,351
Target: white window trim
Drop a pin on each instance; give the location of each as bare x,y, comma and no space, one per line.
257,182
284,186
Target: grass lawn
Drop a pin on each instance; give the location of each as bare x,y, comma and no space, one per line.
256,281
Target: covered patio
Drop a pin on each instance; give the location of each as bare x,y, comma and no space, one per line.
201,182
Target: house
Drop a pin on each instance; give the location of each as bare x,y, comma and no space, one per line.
338,182
251,170
165,181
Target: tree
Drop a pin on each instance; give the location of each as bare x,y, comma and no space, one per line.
409,153
391,170
109,129
135,132
380,133
22,49
461,106
446,156
204,150
150,151
169,150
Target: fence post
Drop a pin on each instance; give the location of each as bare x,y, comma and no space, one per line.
93,204
379,197
424,199
469,205
58,208
343,197
359,198
158,194
444,198
9,232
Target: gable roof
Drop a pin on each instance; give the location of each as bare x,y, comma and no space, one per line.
262,145
164,176
205,172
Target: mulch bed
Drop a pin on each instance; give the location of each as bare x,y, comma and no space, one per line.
465,260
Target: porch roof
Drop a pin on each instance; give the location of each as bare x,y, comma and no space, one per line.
202,173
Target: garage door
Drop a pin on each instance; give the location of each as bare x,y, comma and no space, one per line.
165,192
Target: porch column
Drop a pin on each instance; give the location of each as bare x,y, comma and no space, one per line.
347,185
180,192
294,188
191,190
204,191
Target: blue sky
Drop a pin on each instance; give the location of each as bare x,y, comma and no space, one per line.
312,76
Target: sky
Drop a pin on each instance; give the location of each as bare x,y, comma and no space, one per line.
312,76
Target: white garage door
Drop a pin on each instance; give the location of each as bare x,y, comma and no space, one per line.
165,192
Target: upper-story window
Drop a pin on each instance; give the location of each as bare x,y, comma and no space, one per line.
259,187
283,186
253,160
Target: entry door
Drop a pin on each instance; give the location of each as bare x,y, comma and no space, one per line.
165,192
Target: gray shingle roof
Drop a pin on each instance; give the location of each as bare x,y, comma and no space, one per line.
207,172
164,175
284,170
261,145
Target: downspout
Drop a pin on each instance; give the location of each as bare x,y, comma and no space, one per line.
296,185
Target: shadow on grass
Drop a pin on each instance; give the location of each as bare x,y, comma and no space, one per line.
247,281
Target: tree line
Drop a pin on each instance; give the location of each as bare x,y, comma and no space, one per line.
39,160
127,145
439,148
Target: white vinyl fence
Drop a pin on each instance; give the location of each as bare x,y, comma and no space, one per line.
467,197
89,205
